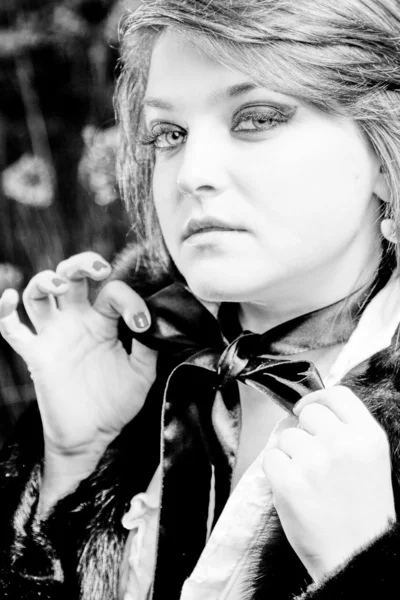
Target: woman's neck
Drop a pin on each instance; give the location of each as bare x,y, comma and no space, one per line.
302,297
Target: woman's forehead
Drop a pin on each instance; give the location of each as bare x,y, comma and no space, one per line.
180,68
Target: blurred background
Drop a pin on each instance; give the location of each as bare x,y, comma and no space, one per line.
58,194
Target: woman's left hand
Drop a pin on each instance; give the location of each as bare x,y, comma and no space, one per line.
331,479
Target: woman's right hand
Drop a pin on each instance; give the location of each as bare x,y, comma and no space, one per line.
87,386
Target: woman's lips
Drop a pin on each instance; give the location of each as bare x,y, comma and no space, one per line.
207,225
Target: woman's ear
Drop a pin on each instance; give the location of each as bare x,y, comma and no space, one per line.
381,188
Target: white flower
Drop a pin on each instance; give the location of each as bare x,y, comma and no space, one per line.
68,24
30,181
97,166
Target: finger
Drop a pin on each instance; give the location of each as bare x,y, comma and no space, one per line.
13,331
296,443
340,400
317,419
39,297
76,270
118,299
277,467
8,302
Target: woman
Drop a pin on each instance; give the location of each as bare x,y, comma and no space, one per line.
260,156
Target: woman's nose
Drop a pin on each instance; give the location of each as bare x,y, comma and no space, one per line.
203,170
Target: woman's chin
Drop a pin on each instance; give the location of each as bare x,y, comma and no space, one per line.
218,288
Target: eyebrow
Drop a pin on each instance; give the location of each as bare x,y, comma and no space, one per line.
239,89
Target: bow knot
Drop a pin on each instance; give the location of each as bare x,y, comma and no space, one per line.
235,358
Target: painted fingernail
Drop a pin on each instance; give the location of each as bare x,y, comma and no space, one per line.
57,282
98,265
141,321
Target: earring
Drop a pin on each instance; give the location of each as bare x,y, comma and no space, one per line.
389,230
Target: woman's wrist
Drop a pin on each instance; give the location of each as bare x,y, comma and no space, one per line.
63,472
324,567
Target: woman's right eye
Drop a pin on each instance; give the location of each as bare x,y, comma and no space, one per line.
163,137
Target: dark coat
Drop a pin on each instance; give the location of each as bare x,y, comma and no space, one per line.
77,552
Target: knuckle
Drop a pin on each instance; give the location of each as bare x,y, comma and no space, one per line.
308,412
38,279
82,257
71,264
307,409
115,285
90,255
119,297
286,436
120,289
42,276
117,289
62,265
338,394
82,260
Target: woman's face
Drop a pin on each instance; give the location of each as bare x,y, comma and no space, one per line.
257,194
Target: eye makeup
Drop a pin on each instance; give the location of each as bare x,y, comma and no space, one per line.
250,118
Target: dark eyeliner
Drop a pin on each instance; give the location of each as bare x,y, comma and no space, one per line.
158,129
275,112
147,139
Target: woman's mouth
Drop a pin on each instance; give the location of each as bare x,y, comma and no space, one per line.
205,225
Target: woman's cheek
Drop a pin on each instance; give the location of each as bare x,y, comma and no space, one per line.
165,205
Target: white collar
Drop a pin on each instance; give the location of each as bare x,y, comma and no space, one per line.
373,333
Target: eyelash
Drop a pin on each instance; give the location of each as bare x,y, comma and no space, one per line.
162,129
272,116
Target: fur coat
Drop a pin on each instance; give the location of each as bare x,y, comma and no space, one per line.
76,553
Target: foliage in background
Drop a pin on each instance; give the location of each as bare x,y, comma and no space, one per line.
58,194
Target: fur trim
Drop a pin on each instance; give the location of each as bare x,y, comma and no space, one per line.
371,574
276,567
128,267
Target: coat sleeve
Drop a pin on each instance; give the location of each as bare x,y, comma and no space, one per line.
67,556
29,567
373,573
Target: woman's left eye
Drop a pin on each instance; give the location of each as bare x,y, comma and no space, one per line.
257,121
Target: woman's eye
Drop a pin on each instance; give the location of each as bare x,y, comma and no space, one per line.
162,137
258,121
169,139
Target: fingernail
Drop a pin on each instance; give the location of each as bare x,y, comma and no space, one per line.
141,321
98,265
295,406
57,282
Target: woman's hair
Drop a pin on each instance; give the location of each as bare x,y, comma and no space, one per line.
341,56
